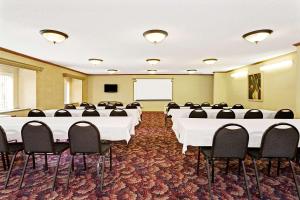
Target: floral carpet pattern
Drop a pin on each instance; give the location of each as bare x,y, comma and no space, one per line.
151,166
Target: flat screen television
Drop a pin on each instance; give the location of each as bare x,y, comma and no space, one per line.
110,88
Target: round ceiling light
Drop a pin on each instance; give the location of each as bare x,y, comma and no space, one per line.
53,35
258,35
95,61
210,61
112,71
155,36
191,71
153,61
151,71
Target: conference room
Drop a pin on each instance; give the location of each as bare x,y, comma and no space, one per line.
149,99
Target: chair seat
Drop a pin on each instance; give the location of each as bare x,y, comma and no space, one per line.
206,151
254,153
104,148
60,147
15,147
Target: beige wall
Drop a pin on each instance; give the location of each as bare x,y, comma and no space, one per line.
195,88
279,86
49,82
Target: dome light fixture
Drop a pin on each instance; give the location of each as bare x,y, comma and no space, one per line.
112,71
153,61
155,35
95,61
191,71
54,36
151,71
258,35
210,61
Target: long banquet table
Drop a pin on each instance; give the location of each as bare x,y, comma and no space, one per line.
103,107
134,113
200,132
212,113
111,128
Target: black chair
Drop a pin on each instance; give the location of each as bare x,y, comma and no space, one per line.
101,104
62,113
238,106
136,104
229,142
284,114
195,106
90,113
83,104
131,106
216,106
118,113
119,104
198,113
205,104
110,106
90,106
223,104
226,114
253,114
38,139
171,105
84,138
188,104
8,148
279,142
36,113
70,106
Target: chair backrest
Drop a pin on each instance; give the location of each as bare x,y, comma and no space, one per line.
205,104
284,114
170,103
280,141
36,113
101,104
110,106
230,141
90,106
136,103
223,104
3,141
70,106
37,137
83,104
84,137
131,106
253,114
195,106
238,106
118,113
216,106
119,104
226,114
188,104
90,113
198,113
173,106
62,113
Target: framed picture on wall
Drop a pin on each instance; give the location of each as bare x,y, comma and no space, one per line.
255,87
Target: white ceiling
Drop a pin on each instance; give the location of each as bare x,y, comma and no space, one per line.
113,31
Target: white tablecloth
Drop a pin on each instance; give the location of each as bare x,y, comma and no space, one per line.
103,107
200,132
111,128
212,113
134,113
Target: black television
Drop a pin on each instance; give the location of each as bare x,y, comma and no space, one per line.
110,88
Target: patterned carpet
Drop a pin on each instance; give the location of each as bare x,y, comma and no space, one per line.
150,167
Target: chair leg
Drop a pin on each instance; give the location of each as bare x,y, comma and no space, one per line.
101,174
84,161
246,182
23,172
227,165
3,161
56,171
46,162
110,158
295,180
212,171
269,167
33,161
239,170
69,171
198,161
257,178
209,179
9,171
278,167
7,160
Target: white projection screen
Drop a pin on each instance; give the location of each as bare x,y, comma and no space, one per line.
153,89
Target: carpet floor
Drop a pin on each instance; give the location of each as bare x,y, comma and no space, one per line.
151,166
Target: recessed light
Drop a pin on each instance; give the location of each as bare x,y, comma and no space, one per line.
210,61
155,36
151,71
191,71
53,35
153,61
112,71
95,61
258,35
